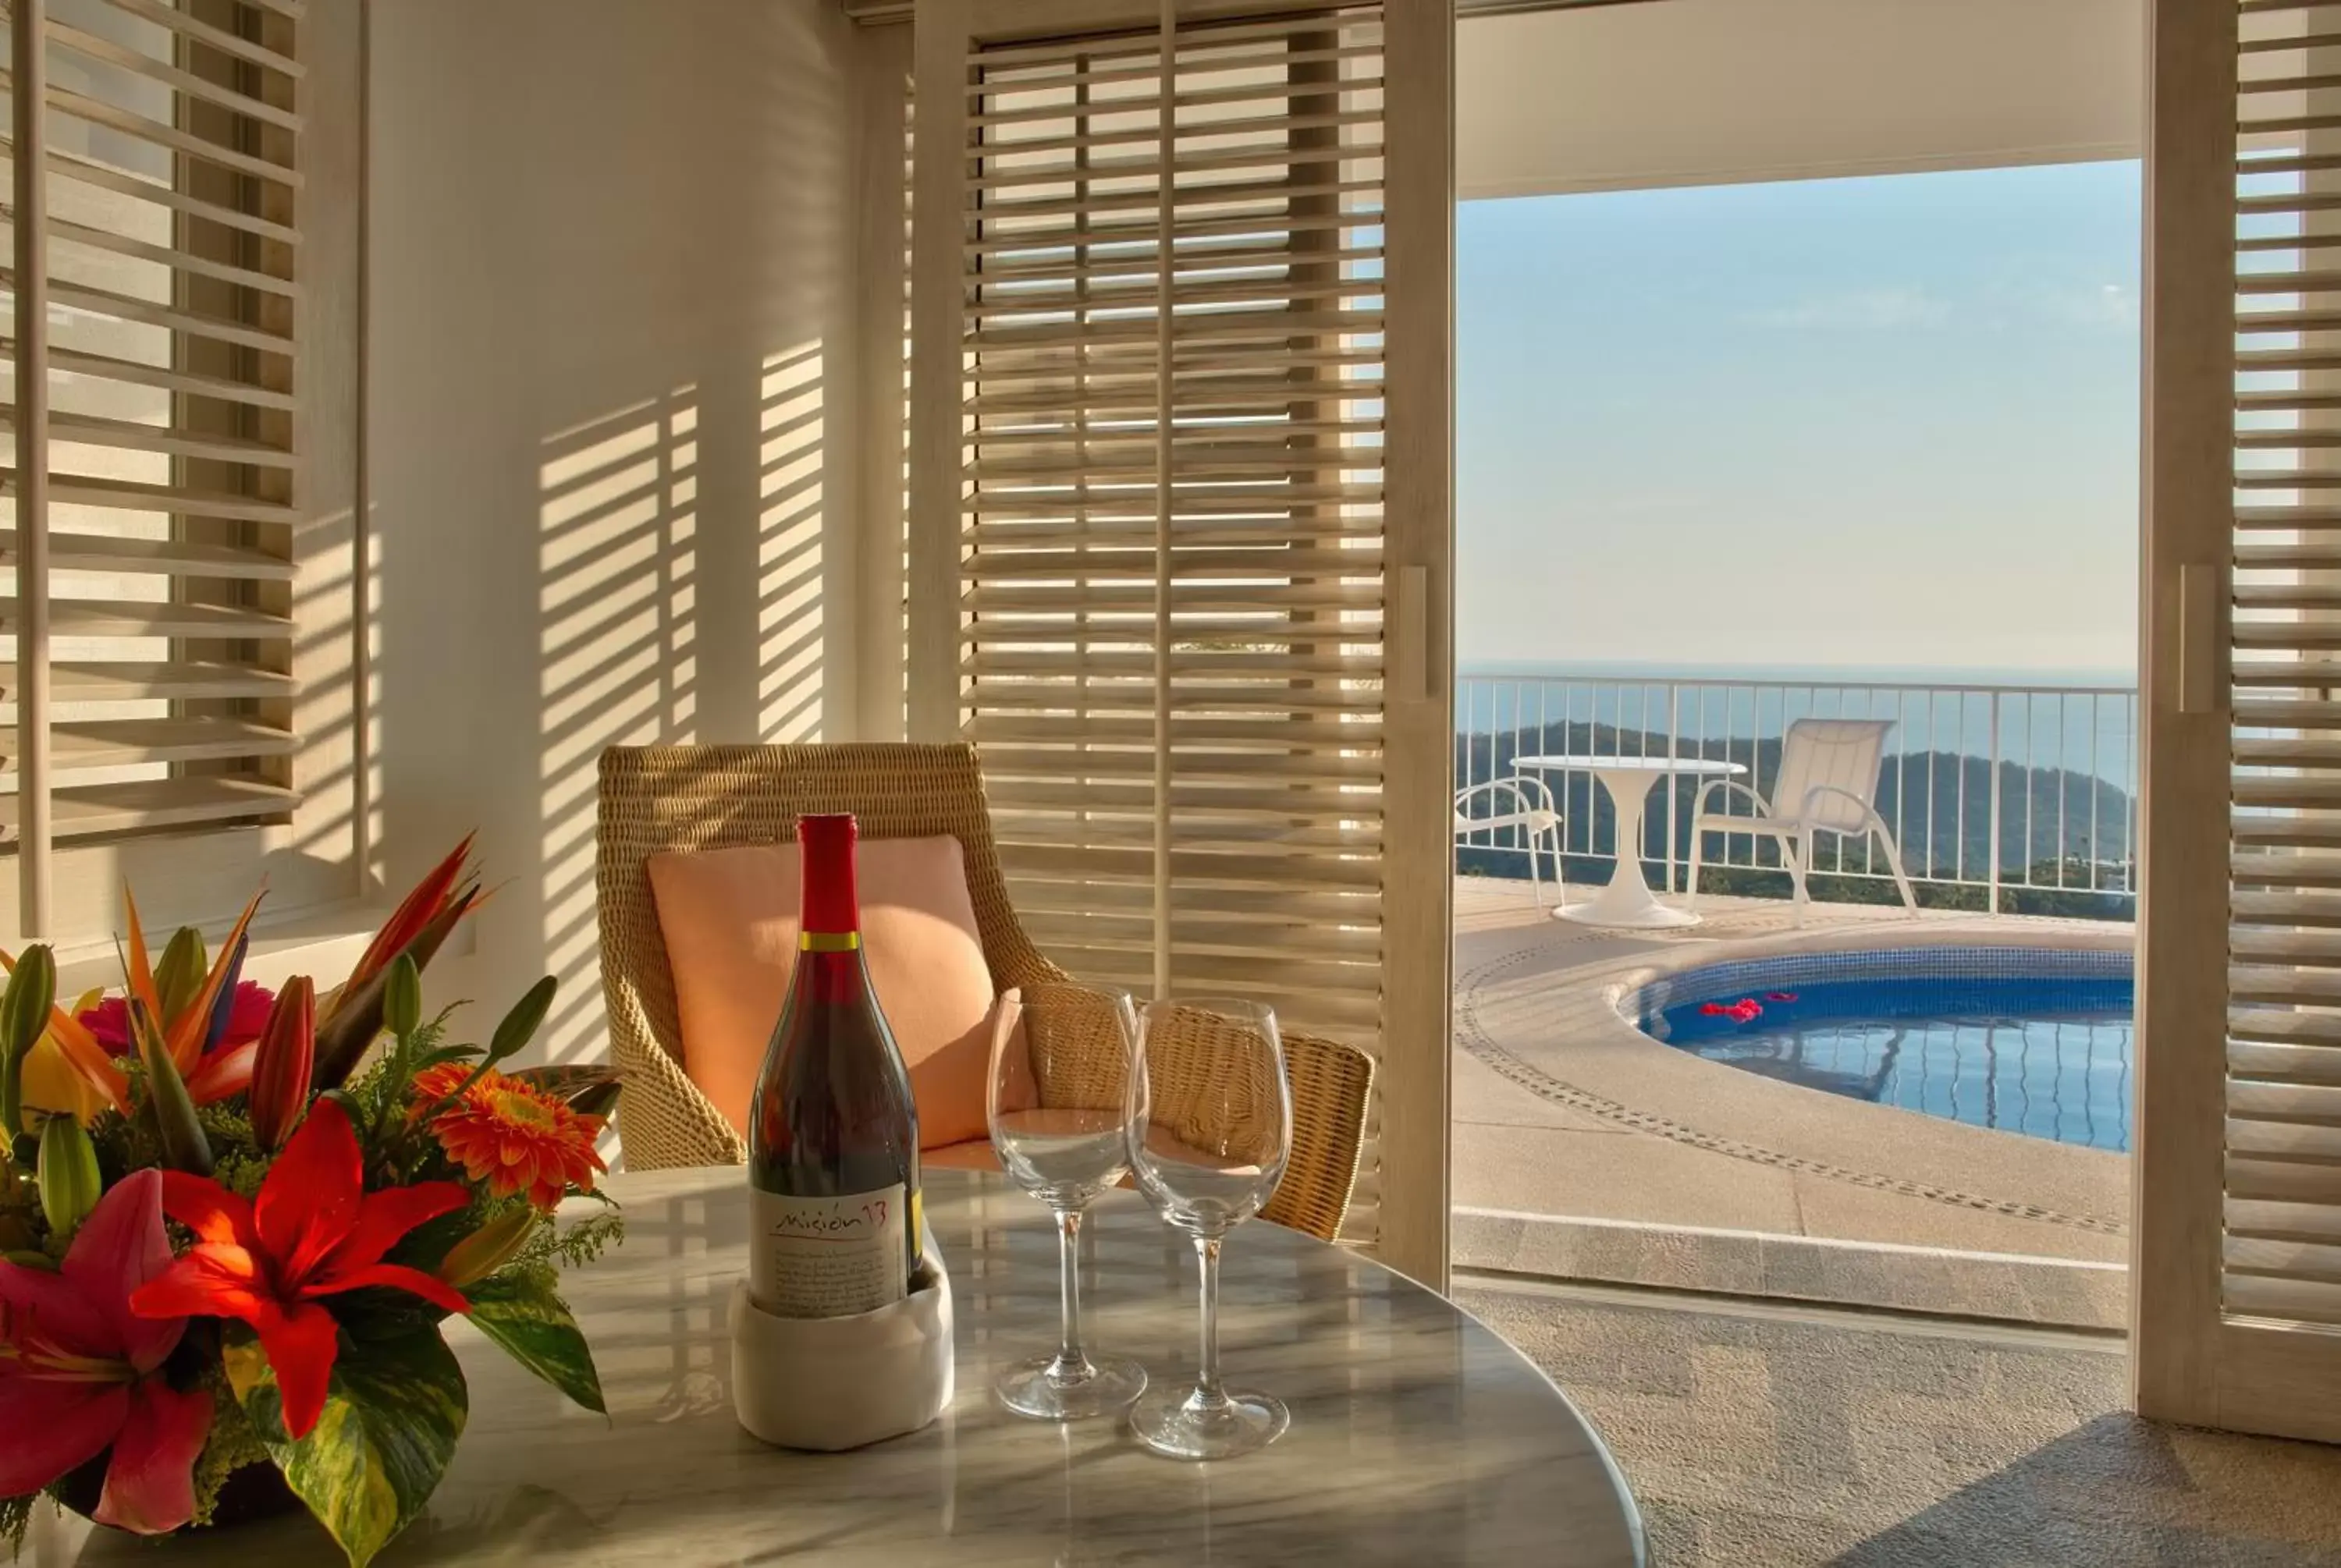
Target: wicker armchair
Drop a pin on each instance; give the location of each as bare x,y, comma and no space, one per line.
686,797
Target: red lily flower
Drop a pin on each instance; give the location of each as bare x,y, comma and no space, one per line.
79,1374
313,1232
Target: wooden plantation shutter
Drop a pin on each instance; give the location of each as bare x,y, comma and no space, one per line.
154,568
2239,1153
1161,492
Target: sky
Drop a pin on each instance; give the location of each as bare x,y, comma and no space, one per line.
1878,422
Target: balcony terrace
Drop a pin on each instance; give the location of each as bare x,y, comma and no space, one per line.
1586,1149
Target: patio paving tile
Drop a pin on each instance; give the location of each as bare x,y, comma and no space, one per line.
1850,1213
1556,1170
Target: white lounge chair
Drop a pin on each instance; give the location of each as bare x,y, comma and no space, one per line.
1828,783
1532,809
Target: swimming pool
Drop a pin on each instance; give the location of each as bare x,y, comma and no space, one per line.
2027,1040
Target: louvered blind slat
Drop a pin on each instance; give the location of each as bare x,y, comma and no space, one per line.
172,178
1214,523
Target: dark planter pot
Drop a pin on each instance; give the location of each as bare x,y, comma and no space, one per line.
253,1492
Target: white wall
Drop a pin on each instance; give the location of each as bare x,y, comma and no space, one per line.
1719,91
610,252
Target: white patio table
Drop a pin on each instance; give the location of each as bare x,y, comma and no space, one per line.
1626,903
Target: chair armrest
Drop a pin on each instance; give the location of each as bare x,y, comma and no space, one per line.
1529,794
1536,788
1867,807
1330,1084
1699,807
663,1118
1333,1083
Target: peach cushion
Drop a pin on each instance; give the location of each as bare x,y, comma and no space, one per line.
729,917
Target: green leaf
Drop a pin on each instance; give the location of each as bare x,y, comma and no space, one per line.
521,1312
184,1145
393,1413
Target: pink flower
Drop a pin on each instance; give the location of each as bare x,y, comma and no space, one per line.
80,1372
1780,996
247,1016
109,1023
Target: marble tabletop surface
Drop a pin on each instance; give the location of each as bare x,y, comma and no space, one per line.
1417,1437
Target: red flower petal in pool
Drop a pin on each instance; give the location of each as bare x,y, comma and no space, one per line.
1780,996
1715,1009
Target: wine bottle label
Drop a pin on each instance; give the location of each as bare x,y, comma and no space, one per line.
829,1256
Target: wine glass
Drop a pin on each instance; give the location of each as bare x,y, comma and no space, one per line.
1211,1125
1057,1102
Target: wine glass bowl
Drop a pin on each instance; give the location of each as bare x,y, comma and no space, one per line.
1057,1102
1065,1155
1210,1128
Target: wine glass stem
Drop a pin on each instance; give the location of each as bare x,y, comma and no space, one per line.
1207,1391
1071,1360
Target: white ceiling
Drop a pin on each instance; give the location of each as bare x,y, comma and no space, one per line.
1714,91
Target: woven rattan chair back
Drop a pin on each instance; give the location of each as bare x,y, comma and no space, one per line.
657,800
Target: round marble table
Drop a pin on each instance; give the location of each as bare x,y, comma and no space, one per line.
1418,1435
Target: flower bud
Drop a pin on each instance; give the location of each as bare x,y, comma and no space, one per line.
24,1015
67,1178
520,1025
488,1249
281,1066
402,997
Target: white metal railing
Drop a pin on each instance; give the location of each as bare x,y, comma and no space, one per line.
2026,796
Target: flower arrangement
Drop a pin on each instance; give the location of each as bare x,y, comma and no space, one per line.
230,1230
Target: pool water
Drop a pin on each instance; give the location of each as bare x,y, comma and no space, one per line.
2046,1054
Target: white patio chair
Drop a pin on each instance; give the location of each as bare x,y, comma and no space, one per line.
1533,810
1828,783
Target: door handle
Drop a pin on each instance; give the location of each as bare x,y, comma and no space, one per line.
1413,630
2199,654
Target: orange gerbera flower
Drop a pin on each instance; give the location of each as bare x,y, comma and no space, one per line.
514,1137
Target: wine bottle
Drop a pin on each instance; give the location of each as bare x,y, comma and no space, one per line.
834,1135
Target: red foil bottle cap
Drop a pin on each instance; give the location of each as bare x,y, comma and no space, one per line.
832,905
